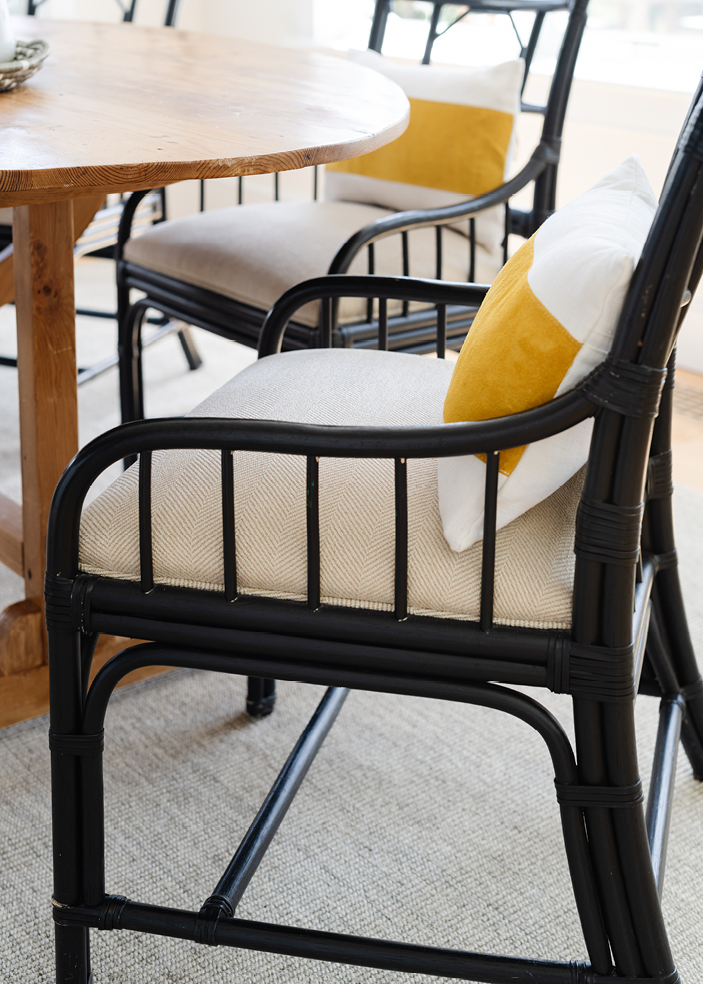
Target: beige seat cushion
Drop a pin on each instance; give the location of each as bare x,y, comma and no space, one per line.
253,253
534,562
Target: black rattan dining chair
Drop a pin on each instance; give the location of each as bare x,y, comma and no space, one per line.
627,635
226,311
100,237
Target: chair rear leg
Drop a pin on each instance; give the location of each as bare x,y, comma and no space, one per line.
679,650
261,697
190,350
659,538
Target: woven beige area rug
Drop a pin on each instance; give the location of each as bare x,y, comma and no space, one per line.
420,820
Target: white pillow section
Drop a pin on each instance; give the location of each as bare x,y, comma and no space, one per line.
584,257
496,87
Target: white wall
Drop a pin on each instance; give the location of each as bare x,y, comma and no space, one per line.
277,21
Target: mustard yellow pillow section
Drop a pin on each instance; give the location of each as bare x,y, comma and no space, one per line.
513,338
459,144
446,145
548,320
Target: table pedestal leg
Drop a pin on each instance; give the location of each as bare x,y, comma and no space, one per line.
43,240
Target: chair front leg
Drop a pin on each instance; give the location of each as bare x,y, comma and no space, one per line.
65,674
129,348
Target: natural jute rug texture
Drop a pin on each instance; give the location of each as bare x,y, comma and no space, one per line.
420,820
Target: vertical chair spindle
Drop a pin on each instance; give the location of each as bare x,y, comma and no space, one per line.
146,561
383,324
314,183
438,235
275,186
240,195
472,251
326,328
313,532
441,331
372,269
406,266
401,539
229,555
488,563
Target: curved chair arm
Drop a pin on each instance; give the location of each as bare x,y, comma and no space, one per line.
343,285
282,437
546,153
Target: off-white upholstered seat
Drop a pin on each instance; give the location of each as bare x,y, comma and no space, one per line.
253,253
534,565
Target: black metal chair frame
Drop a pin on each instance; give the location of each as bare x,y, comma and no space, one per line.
625,563
100,237
411,331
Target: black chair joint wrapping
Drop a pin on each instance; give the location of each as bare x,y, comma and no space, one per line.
76,744
667,560
692,690
607,797
659,476
111,911
206,922
558,665
601,673
58,600
608,533
629,389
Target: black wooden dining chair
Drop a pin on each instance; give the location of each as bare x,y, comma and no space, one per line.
100,237
627,632
174,268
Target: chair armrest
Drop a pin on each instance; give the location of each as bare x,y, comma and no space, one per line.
546,153
370,286
283,437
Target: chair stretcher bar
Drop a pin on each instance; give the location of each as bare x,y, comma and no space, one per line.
250,852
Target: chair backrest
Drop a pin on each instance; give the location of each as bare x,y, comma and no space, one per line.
630,460
128,10
553,111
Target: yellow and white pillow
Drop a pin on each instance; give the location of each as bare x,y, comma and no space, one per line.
545,324
459,142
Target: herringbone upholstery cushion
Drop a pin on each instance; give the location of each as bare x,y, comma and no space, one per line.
253,253
534,554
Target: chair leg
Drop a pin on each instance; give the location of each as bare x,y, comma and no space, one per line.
66,668
261,697
668,603
629,898
190,350
72,955
129,349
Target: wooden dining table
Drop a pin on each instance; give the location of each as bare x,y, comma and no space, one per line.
119,108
